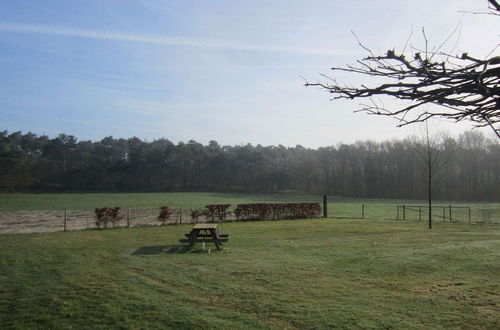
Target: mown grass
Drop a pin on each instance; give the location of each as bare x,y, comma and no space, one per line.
80,201
320,273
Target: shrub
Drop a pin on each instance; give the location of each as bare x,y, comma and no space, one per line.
196,214
217,211
165,214
107,214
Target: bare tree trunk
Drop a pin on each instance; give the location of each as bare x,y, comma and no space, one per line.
429,176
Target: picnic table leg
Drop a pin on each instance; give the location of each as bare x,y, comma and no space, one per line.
216,238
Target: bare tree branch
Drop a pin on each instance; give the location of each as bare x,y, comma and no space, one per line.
494,5
466,87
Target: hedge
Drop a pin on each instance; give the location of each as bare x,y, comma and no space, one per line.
268,211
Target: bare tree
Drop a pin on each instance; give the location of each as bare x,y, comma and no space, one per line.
430,149
465,87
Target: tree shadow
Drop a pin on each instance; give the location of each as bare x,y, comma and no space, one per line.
159,249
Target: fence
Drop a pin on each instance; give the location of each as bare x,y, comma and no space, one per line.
445,213
361,211
448,213
63,220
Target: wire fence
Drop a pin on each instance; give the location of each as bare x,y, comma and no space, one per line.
449,213
66,220
444,213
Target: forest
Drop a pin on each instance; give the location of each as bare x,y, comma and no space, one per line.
469,170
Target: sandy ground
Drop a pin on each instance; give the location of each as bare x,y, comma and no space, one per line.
50,221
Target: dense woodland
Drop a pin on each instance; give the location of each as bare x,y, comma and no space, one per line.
390,169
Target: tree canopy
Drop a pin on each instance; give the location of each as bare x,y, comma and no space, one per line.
390,169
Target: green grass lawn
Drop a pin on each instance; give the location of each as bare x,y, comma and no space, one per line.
80,201
321,273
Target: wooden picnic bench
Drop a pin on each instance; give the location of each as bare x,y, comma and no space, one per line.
205,233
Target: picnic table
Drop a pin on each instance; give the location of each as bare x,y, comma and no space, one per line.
205,233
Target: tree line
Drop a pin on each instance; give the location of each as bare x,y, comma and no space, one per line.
388,169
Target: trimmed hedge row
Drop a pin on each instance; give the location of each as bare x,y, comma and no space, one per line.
259,211
217,211
270,211
220,212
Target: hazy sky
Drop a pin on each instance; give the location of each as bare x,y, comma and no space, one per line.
219,70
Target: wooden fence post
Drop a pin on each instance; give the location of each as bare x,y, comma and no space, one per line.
449,206
325,207
362,211
128,217
404,212
65,219
469,214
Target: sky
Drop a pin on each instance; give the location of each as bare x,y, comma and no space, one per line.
225,70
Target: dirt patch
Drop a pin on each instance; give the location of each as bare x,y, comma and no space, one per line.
34,221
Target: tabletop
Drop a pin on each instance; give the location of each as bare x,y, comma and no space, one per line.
205,226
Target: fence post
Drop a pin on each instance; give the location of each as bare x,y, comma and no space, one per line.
128,217
325,207
65,219
362,211
397,212
180,216
449,207
404,212
419,213
469,214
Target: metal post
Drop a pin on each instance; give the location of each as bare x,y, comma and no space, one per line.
404,212
469,214
449,206
362,211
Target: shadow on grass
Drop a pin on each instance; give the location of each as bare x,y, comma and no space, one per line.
159,249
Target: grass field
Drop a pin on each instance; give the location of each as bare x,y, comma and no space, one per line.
321,273
142,200
338,206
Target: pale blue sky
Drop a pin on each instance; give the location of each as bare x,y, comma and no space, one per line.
209,70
